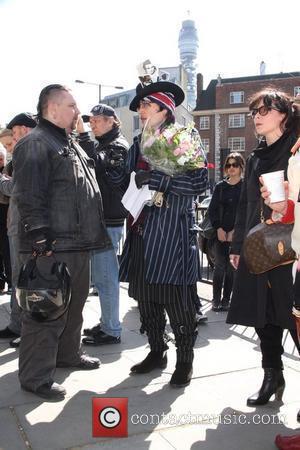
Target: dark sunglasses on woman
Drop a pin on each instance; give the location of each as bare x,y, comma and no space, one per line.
262,111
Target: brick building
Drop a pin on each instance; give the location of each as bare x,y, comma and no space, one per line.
221,113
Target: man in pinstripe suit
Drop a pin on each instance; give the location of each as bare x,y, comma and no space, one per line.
161,258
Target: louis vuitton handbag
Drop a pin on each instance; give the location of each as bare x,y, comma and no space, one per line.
268,245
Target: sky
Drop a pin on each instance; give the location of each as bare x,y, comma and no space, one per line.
102,41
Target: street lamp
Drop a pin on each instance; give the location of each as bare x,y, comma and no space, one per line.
99,86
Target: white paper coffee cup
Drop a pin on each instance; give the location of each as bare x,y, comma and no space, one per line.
274,183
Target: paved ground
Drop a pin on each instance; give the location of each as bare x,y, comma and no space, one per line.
209,414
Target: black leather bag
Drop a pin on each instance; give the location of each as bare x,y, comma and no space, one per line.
268,245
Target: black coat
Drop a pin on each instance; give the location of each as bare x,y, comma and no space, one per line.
265,298
115,146
55,187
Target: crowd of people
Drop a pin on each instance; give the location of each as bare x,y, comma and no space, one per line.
61,197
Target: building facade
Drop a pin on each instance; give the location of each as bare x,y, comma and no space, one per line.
221,114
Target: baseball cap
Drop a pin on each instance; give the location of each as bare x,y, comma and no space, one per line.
100,110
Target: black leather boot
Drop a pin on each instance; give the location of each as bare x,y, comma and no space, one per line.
273,383
182,375
154,360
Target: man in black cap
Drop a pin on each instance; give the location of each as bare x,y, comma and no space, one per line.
109,152
20,126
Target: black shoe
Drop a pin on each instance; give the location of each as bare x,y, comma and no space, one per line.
15,343
7,333
224,304
201,318
273,383
154,360
182,375
101,338
216,306
49,391
92,331
298,416
86,363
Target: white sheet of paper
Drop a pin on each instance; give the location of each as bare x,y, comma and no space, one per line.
135,199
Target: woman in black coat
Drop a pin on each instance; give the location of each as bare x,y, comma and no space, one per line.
264,301
222,212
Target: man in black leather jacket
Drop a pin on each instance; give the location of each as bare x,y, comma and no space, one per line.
109,152
60,208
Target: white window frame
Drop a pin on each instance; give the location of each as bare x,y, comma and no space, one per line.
296,90
204,123
236,144
236,121
236,97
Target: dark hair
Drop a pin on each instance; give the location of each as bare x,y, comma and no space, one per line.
47,93
283,102
238,158
170,118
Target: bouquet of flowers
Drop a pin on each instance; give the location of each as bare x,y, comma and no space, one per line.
174,149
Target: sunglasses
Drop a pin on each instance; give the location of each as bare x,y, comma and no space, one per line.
234,165
262,111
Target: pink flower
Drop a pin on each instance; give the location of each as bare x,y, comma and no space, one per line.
178,151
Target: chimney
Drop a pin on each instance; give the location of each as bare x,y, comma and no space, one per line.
262,68
199,86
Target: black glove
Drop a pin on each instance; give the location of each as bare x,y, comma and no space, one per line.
142,177
42,241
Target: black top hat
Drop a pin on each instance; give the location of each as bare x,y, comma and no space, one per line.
159,86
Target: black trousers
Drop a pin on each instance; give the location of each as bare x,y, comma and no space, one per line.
44,344
271,346
182,321
223,272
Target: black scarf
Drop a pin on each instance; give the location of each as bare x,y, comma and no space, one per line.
108,137
275,156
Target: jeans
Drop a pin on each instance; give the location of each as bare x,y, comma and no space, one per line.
105,277
223,272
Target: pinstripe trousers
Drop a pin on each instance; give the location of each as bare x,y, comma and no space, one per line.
182,321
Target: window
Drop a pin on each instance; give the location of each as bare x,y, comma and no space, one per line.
236,144
136,123
236,120
204,123
205,143
236,97
296,90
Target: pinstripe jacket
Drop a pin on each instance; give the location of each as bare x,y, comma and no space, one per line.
169,235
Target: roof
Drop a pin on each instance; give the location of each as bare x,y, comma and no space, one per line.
207,98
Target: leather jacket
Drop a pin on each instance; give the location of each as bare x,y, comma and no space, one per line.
55,188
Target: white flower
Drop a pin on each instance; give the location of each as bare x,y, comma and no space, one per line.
182,160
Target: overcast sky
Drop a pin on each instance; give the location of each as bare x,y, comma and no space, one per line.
102,41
